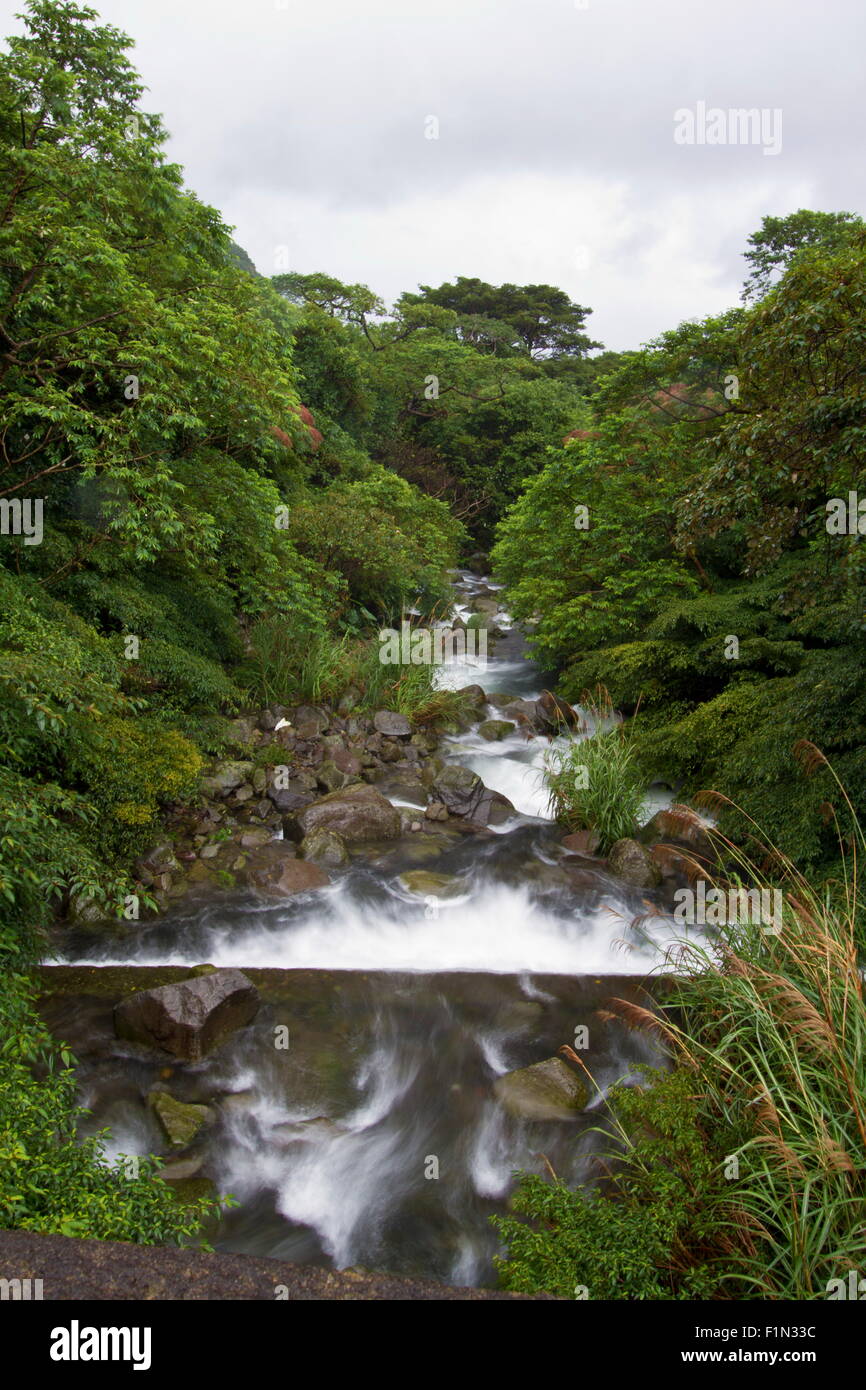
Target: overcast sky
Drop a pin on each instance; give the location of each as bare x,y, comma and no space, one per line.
307,123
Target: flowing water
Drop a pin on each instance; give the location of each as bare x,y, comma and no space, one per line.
373,1137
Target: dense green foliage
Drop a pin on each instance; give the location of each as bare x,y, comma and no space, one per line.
51,1179
646,1233
684,549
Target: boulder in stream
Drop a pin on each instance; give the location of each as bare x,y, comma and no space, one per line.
275,871
428,884
191,1018
495,729
464,794
326,847
180,1122
357,813
547,1090
633,864
556,713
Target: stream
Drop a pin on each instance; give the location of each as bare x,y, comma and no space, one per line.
373,1138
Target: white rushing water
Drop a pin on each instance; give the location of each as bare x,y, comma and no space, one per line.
493,927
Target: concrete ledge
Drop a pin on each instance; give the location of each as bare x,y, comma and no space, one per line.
110,1271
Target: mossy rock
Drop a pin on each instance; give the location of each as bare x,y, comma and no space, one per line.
180,1122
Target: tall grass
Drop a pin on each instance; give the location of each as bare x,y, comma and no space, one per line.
773,1025
595,783
285,667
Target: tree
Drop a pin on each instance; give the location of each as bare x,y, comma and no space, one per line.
780,238
542,320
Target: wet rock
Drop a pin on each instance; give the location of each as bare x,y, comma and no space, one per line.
191,1018
391,725
680,825
310,717
464,794
404,785
86,912
431,770
547,1090
582,842
180,1122
485,605
426,883
329,777
182,1168
326,847
226,777
357,813
458,788
495,729
293,797
633,864
474,696
437,810
275,871
254,838
555,712
523,712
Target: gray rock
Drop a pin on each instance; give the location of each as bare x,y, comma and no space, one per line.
357,813
227,777
309,716
391,724
547,1090
275,871
325,847
180,1122
464,794
495,729
330,778
556,713
191,1018
633,864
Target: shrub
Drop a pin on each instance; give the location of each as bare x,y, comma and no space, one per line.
52,1181
647,1234
595,783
